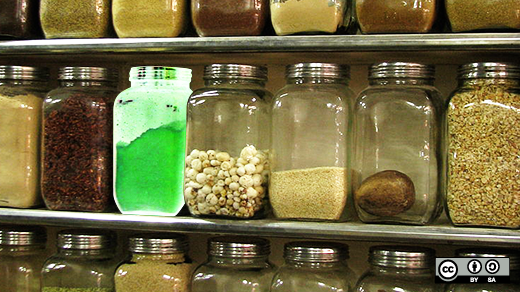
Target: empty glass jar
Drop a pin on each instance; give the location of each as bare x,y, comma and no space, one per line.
19,19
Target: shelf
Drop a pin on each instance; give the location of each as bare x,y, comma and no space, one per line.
439,233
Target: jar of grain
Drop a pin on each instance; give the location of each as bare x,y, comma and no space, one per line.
397,145
158,263
151,18
77,140
76,19
227,163
399,268
21,94
314,266
483,174
483,15
150,123
22,253
234,265
310,143
85,261
19,19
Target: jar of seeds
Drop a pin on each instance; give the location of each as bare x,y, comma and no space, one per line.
483,172
483,15
227,162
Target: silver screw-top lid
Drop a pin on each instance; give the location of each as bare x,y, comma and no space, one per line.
238,247
309,251
158,243
317,70
86,239
23,73
401,257
513,255
87,73
159,73
235,71
401,70
22,236
489,70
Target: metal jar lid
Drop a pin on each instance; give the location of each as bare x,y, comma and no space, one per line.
238,247
513,255
87,73
86,239
158,243
489,70
401,257
308,251
317,70
401,70
159,73
234,71
23,73
22,236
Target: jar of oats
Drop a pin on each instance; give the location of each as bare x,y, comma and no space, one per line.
483,170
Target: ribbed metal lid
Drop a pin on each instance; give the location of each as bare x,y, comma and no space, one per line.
24,73
86,239
308,251
87,73
159,73
489,70
313,70
401,257
513,255
231,71
401,70
158,243
22,236
238,247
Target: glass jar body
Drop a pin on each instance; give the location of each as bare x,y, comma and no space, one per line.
228,132
20,268
149,147
487,15
19,19
310,172
229,17
482,161
398,155
398,279
77,147
20,122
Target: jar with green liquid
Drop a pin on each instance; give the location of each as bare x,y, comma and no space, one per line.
149,141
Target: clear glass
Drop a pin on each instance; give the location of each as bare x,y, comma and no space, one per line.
77,146
398,155
390,16
151,18
513,286
154,272
226,274
229,17
20,122
483,175
20,268
227,149
486,15
307,16
398,279
310,169
19,19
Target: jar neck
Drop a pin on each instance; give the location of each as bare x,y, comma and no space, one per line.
22,250
90,253
161,83
314,265
34,83
317,80
401,81
231,261
233,82
147,257
506,82
390,271
86,83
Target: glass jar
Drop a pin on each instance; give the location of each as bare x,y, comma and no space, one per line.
158,263
483,175
227,165
152,18
229,17
483,15
399,268
314,267
234,265
307,16
19,19
390,16
21,94
22,253
311,143
85,262
77,140
150,140
397,126
76,19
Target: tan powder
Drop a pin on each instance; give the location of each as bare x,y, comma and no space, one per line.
467,15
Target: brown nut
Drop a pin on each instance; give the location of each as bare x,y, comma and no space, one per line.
386,193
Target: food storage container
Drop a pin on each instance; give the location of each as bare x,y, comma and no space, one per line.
227,163
483,15
397,145
19,19
149,141
310,149
21,94
483,175
77,140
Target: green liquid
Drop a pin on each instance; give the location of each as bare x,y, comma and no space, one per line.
150,172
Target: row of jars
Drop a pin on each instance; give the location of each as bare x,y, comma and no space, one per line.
167,18
87,260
